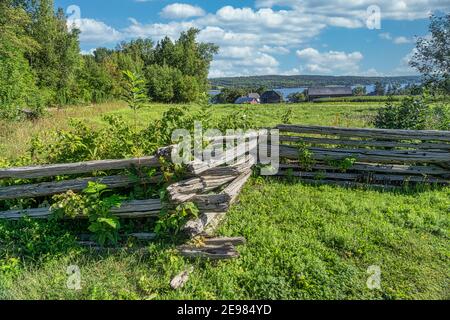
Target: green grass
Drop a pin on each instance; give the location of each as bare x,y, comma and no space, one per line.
304,242
339,114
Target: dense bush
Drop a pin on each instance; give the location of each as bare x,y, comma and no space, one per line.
413,113
117,139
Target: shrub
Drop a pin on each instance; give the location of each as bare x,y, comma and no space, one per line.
94,205
83,143
412,113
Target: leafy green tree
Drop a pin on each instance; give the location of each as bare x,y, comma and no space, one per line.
193,58
432,54
165,52
187,55
260,90
95,84
187,89
101,54
140,50
161,82
379,89
57,58
17,81
41,63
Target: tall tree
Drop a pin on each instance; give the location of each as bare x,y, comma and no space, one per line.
165,52
432,54
379,89
17,82
140,50
193,58
58,58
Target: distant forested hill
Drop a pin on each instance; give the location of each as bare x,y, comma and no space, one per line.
305,81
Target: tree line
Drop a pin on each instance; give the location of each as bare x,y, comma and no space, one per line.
41,64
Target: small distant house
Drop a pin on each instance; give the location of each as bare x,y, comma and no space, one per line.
272,96
328,92
254,95
246,100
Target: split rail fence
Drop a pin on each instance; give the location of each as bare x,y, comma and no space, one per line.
344,156
353,156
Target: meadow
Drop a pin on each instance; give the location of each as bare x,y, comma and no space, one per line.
303,242
15,137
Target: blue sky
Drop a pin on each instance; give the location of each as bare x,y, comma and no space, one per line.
341,37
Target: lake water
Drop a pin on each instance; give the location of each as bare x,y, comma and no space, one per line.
288,91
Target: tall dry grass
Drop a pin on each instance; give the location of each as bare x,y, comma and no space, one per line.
15,137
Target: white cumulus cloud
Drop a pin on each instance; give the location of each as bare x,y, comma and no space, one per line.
331,62
396,40
181,11
94,31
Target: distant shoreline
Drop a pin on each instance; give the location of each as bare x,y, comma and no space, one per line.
278,81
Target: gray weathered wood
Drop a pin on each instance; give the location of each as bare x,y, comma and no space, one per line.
209,252
364,177
196,226
50,188
180,279
38,213
185,190
387,134
377,167
209,180
218,241
214,207
212,202
128,209
242,165
366,143
233,189
367,155
222,201
143,236
197,167
76,168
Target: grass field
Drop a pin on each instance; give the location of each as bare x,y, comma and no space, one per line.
15,137
304,242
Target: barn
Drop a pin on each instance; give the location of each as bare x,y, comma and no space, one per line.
272,96
328,92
